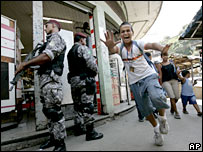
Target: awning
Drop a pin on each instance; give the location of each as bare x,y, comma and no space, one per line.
186,62
194,29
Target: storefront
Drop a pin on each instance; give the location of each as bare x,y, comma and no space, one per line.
79,18
91,18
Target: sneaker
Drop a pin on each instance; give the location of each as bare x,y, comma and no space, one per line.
177,116
199,114
185,112
158,138
163,125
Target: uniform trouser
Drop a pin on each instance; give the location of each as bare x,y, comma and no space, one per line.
51,97
83,106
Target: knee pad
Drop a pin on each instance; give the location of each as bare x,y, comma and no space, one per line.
46,113
42,99
89,108
78,107
53,114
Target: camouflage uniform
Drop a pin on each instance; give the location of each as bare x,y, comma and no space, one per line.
81,97
51,88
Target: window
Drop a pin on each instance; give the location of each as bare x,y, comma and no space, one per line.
4,81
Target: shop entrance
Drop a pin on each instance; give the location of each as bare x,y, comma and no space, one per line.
79,18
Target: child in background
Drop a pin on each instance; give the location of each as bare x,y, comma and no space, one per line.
187,93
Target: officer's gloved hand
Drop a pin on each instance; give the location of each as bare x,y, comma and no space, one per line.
90,86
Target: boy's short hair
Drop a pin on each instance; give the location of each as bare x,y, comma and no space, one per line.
185,72
125,23
165,54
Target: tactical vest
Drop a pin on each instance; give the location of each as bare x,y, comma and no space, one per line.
56,64
77,66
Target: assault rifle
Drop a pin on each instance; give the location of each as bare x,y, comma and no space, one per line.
28,57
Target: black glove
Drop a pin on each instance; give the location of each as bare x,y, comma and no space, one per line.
90,86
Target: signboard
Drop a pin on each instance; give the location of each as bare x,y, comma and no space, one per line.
115,80
8,53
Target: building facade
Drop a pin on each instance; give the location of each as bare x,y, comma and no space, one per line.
92,18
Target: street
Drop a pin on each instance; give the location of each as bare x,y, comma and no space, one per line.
126,133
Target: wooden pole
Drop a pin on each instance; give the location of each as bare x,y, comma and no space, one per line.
192,72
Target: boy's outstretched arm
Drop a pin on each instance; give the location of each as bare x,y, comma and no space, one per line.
180,77
157,46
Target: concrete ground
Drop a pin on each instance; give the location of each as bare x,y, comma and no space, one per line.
24,135
126,133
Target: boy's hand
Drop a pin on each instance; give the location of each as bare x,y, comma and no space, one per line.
109,40
178,72
195,82
166,48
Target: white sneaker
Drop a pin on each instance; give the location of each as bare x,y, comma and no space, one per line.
163,125
159,139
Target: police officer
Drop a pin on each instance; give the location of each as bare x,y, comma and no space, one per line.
82,70
50,59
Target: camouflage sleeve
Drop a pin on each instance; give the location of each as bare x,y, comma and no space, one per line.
84,52
54,46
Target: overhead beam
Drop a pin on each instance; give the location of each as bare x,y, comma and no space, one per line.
196,29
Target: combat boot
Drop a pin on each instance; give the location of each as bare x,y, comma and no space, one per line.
48,143
92,134
60,145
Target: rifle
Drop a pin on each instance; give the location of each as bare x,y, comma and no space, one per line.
28,57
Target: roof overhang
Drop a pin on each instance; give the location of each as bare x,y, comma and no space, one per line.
194,29
142,15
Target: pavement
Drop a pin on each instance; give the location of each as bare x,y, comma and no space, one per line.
123,132
25,135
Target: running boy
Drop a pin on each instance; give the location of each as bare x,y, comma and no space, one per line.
187,93
143,79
